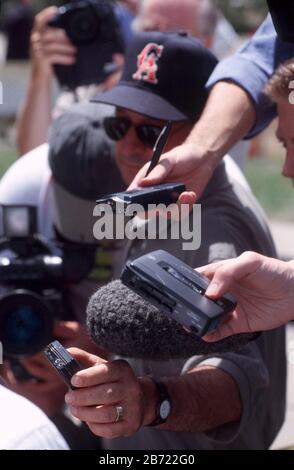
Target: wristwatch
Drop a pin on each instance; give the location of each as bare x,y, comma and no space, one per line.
163,406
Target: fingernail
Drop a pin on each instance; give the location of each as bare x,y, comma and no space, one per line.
212,289
76,381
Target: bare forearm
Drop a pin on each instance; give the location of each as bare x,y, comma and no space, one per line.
35,116
227,118
202,400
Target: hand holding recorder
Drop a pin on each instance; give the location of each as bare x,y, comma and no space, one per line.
263,288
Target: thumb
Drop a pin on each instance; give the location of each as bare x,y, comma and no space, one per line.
84,358
230,327
187,198
233,271
159,174
221,333
219,285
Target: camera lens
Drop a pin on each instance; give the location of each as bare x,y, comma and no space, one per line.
26,323
83,27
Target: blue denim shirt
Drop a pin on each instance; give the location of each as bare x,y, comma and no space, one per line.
252,66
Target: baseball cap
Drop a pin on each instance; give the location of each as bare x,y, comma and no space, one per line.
164,77
81,158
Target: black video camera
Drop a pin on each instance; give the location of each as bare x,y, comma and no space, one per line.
34,277
283,17
93,28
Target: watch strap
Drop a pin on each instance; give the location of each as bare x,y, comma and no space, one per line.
162,395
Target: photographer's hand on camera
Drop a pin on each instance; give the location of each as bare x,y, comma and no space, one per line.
49,46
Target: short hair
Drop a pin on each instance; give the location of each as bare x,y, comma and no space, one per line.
278,87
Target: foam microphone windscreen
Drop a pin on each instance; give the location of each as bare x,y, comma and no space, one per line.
127,325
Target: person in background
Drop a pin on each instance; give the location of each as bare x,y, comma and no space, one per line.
174,15
199,18
51,46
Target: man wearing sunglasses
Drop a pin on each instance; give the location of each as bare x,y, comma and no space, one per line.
140,114
231,400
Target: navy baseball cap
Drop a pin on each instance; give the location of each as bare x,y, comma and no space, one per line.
164,77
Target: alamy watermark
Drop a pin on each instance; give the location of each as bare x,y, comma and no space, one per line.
161,223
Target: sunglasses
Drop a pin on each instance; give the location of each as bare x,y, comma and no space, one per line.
117,128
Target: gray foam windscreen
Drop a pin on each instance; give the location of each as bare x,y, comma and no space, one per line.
125,324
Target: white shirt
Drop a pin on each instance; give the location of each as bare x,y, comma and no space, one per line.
23,426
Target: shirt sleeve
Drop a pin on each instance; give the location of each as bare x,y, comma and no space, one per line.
249,371
252,66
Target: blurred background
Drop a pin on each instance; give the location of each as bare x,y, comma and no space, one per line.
238,20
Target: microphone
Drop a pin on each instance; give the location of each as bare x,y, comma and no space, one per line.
122,322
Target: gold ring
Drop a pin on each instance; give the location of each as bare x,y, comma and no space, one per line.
119,413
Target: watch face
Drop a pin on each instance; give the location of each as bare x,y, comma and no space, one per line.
165,409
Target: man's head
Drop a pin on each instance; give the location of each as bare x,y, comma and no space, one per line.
280,89
198,17
164,79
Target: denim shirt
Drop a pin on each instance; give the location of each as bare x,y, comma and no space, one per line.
252,66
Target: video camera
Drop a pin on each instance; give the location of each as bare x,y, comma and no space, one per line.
34,277
93,28
283,17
